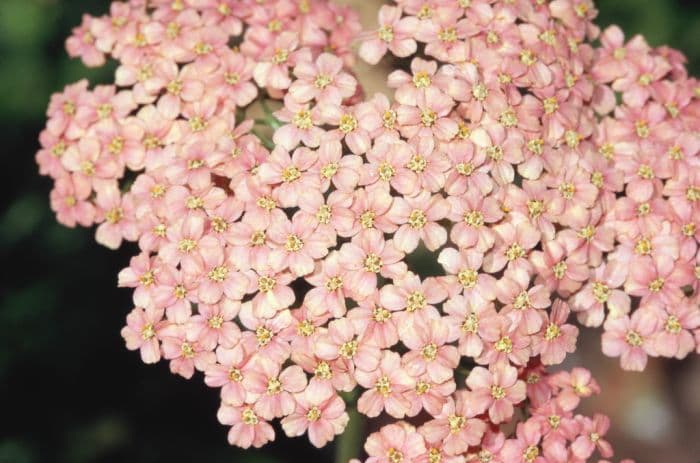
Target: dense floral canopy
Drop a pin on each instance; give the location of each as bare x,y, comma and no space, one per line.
548,168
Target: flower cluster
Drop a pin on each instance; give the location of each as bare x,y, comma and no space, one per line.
283,219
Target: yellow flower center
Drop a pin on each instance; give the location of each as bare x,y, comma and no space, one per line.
348,123
601,292
634,339
381,315
218,274
514,251
274,386
497,392
249,417
322,81
266,284
417,163
421,79
263,335
429,352
456,423
383,386
367,219
348,349
386,33
552,332
415,301
417,219
291,174
504,345
470,323
302,119
373,263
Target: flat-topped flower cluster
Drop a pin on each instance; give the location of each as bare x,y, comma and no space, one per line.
277,255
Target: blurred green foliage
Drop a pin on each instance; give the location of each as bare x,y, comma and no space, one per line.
69,390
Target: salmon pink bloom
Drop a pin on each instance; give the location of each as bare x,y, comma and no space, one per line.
631,338
590,440
573,386
342,343
456,426
185,356
558,338
323,81
428,117
496,390
142,332
466,317
522,164
418,219
367,256
385,388
394,34
213,325
429,352
271,389
320,412
376,323
395,442
247,428
463,275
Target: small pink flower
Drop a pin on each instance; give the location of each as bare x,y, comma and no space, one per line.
591,438
142,332
456,425
573,386
429,352
385,388
247,428
631,338
367,256
418,219
394,442
320,412
323,80
558,338
496,390
394,34
270,389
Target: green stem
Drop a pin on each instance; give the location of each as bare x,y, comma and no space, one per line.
349,443
269,144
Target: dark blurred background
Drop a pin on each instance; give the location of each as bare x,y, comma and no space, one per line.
69,390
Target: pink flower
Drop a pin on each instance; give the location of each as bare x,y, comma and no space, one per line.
341,343
233,79
496,390
429,352
320,412
368,255
247,429
142,332
214,325
558,338
82,44
271,390
395,34
573,386
323,81
591,438
631,339
386,387
417,218
394,442
428,117
456,426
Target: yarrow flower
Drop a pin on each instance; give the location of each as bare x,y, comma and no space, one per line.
318,254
